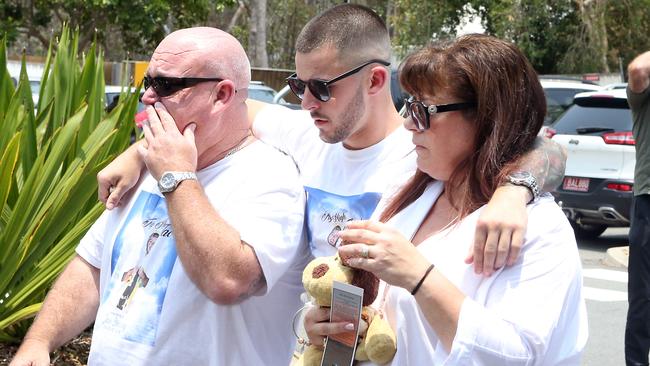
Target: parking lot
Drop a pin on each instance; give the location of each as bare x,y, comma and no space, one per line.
605,290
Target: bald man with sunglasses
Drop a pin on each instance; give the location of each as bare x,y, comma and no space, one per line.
221,283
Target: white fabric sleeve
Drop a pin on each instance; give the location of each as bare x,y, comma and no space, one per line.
91,246
524,303
282,127
270,220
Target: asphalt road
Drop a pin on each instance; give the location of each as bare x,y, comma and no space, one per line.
605,289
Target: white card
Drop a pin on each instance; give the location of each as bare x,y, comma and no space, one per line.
347,301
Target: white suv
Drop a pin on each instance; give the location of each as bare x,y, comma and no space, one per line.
559,95
597,190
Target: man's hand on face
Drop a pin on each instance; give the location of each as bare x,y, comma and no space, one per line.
168,149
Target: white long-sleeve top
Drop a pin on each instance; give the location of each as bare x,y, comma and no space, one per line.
532,313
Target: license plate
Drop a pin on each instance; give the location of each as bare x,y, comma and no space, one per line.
576,184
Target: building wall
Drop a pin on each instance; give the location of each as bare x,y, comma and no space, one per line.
34,70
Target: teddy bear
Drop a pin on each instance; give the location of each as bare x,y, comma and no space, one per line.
377,341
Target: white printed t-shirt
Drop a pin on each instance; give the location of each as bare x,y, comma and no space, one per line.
531,313
151,313
341,184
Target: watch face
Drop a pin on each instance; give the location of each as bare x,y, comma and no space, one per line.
167,181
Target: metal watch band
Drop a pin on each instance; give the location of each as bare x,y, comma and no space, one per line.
534,189
181,176
527,180
170,180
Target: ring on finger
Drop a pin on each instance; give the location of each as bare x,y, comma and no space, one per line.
365,251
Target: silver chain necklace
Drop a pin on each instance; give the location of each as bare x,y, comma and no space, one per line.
239,146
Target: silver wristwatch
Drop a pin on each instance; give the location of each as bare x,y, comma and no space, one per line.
525,179
170,180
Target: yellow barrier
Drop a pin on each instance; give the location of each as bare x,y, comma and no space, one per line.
139,69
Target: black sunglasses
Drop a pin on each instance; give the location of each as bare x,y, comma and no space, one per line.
421,113
320,88
166,86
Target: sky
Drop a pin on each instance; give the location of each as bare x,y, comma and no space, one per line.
469,25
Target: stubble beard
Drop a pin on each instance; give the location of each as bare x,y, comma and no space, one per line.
348,119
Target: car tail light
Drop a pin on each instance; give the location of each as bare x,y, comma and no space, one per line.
619,138
549,133
623,187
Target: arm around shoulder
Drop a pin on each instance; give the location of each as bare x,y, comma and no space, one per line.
120,176
254,107
499,236
279,126
547,162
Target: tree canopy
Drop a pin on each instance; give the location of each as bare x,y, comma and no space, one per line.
132,27
558,36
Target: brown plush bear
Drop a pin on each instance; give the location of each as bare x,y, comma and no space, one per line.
377,341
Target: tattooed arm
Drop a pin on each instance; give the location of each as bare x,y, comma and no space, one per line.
546,162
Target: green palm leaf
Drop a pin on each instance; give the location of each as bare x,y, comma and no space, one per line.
6,85
49,163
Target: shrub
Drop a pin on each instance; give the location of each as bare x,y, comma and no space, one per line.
49,157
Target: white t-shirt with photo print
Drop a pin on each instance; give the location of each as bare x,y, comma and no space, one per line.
151,313
341,184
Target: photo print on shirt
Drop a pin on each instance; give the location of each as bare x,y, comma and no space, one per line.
142,261
327,214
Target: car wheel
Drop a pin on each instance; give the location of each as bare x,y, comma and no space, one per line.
587,231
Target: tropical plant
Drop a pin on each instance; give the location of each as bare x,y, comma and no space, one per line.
49,156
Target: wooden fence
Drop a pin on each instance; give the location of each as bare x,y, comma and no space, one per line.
275,78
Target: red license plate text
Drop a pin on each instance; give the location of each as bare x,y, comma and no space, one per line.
576,184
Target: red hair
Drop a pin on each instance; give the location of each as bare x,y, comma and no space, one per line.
510,111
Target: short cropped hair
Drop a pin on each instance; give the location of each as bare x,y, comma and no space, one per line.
354,30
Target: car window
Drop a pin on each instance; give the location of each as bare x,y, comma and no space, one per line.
263,95
557,101
111,100
562,97
35,85
618,119
396,91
